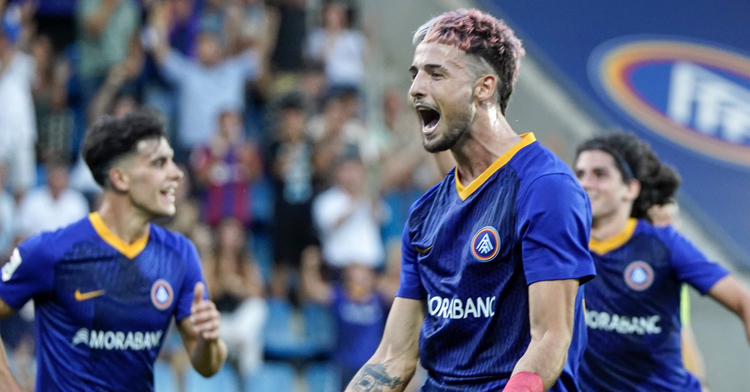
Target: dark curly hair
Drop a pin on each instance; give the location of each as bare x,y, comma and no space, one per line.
111,138
634,158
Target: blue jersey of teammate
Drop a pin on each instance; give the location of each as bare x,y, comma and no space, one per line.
633,309
102,306
471,252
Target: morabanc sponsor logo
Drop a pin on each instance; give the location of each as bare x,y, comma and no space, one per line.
111,340
456,308
603,321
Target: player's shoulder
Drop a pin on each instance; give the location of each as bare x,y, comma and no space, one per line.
425,205
541,172
536,161
51,245
171,240
667,235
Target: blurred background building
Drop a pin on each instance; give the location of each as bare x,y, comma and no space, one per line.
303,154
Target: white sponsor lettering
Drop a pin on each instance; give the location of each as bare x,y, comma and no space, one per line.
456,308
10,267
111,340
624,325
715,105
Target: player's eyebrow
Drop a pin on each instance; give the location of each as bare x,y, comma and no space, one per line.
428,67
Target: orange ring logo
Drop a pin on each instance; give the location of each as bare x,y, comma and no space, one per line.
695,95
486,244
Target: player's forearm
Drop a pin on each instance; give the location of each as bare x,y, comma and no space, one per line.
394,362
744,314
545,357
382,375
735,296
208,356
7,381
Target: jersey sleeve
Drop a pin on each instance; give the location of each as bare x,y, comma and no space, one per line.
28,273
690,265
411,284
554,224
193,275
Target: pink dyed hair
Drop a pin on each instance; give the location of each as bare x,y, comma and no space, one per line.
481,35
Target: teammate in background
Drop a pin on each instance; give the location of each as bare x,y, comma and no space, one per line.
633,307
106,287
491,263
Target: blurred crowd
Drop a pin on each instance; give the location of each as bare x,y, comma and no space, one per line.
298,187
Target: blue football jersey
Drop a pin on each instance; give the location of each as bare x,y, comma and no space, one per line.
471,252
633,309
102,306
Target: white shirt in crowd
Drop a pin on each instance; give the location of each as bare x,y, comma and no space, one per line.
40,212
357,239
18,121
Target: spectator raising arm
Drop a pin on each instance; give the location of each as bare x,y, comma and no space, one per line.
96,22
313,285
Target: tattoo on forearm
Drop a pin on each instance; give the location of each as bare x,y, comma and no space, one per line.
372,377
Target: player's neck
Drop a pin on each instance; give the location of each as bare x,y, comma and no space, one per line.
123,219
606,227
488,139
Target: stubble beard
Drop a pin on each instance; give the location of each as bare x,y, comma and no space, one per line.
453,133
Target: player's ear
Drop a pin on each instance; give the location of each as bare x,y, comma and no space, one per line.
119,178
633,189
485,88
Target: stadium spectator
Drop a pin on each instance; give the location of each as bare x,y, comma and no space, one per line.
237,288
287,55
335,133
53,206
225,170
205,87
54,119
121,91
184,26
292,171
359,309
104,28
17,122
348,218
258,25
339,46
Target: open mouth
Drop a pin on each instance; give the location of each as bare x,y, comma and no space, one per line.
430,119
169,194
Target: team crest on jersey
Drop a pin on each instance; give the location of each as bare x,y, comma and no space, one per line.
639,275
486,244
161,294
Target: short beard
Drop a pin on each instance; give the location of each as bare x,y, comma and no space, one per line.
444,142
452,135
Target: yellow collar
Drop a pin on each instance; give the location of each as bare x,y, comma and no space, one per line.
129,250
616,241
464,192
